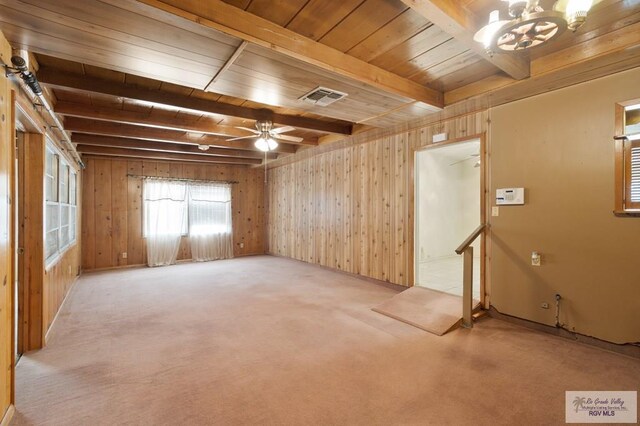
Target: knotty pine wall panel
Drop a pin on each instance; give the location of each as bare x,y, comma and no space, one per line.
6,246
43,287
349,205
112,208
60,277
57,282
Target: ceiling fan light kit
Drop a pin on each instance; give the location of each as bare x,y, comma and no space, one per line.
530,25
266,143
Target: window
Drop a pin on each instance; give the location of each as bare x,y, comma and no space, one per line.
52,219
61,199
202,209
209,209
627,165
73,200
193,209
165,208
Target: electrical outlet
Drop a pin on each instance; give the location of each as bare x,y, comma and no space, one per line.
124,254
495,211
544,305
241,245
536,258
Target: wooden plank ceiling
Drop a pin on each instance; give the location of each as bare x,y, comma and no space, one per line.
149,77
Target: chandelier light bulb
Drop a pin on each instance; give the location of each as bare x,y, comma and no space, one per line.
487,33
578,6
577,12
492,27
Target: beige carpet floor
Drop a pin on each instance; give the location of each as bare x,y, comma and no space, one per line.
271,341
433,311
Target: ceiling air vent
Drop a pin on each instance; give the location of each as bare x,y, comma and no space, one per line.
322,96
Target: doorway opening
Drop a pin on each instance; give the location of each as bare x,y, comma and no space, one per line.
448,203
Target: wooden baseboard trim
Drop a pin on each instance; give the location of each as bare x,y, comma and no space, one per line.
112,268
628,349
386,284
66,297
8,415
144,265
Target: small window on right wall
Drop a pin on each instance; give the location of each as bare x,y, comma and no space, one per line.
627,162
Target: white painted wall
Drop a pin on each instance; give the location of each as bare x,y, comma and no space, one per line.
448,199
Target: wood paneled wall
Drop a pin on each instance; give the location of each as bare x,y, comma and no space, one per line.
349,205
42,290
112,208
58,280
6,265
31,157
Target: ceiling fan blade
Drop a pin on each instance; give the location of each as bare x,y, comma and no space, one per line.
242,137
248,130
288,138
461,161
284,129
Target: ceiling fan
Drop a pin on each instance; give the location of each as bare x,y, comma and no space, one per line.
266,135
471,157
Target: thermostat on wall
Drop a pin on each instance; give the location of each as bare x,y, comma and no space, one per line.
510,196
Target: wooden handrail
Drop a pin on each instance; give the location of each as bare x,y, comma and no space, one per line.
471,238
467,275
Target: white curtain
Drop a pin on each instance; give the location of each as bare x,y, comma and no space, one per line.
164,219
210,231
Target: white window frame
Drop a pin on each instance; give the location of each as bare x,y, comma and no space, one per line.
61,166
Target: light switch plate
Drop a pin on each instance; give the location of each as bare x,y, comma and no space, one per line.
495,211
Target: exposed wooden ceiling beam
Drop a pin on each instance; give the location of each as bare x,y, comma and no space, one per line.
236,22
58,78
453,18
612,52
226,65
84,139
71,109
106,128
134,153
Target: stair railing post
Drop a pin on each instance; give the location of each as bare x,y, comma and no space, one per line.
467,288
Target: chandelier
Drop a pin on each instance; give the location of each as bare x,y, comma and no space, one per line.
530,25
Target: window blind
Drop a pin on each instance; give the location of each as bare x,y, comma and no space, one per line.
634,183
